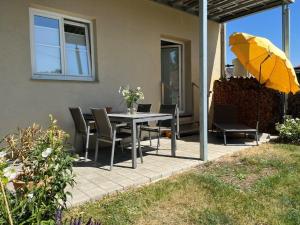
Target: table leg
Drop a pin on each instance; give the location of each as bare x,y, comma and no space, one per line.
173,141
133,144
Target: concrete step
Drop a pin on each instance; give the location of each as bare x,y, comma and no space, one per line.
186,119
189,129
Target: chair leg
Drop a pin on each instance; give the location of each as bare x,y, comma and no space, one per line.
140,151
112,154
140,134
158,135
225,141
256,137
96,149
87,147
150,138
113,150
83,143
158,142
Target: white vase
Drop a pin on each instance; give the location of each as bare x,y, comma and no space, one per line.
131,110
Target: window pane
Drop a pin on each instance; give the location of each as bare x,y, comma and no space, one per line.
47,59
46,31
47,45
77,51
77,62
75,41
46,22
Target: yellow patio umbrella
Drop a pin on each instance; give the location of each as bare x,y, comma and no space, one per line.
265,61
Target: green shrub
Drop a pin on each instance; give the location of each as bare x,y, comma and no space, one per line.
289,130
36,162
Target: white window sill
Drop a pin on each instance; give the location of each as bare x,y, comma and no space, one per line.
63,77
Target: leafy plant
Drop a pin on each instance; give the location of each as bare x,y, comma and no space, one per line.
37,163
289,130
131,95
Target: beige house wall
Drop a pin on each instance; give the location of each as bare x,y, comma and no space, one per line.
127,45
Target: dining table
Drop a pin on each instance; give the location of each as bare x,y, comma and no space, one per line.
134,121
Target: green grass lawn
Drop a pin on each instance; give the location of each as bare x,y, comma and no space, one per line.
258,186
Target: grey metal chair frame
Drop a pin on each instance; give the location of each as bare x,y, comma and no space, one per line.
161,125
109,133
226,121
81,128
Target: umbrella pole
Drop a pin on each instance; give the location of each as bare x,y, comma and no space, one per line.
257,99
259,93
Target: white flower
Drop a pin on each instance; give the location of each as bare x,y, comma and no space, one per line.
10,172
120,90
56,168
30,196
2,154
138,88
46,152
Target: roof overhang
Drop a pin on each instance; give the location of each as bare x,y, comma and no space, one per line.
224,10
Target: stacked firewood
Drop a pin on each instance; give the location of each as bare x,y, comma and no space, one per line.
243,93
294,105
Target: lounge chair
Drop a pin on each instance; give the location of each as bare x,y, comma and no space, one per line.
226,121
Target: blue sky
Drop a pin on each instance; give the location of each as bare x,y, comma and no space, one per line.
268,24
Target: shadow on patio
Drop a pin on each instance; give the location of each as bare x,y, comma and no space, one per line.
94,180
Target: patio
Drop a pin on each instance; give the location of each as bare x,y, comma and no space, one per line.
94,180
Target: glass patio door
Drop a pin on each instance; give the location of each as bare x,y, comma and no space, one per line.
171,75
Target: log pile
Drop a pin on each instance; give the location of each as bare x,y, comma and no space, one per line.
294,105
243,94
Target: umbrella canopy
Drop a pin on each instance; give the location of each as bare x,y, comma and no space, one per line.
265,61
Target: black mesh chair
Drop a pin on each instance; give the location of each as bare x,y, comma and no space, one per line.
107,132
82,128
164,125
144,108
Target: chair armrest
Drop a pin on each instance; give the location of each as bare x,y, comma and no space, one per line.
118,125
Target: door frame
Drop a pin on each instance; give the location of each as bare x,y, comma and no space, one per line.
177,43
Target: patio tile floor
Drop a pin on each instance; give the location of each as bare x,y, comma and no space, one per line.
94,181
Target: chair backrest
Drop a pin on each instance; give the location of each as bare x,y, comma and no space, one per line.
103,125
168,109
79,122
225,114
144,108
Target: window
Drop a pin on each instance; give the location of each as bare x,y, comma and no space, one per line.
61,47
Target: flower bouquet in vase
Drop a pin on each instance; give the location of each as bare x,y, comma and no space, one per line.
131,96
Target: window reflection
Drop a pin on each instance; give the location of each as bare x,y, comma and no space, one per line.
76,49
47,45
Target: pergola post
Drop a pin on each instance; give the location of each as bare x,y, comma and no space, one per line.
223,49
203,78
286,41
286,29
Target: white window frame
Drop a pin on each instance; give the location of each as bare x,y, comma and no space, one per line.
62,19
